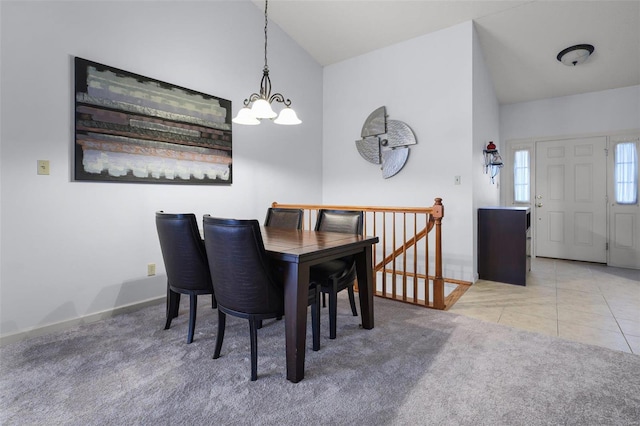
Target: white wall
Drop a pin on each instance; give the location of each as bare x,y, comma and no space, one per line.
596,112
425,82
73,249
486,125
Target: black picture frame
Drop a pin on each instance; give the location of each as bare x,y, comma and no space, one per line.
131,128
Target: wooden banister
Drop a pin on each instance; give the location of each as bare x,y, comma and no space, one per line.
414,244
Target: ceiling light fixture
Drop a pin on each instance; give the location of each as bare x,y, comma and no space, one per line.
258,105
574,55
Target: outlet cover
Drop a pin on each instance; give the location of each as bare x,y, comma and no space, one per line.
151,269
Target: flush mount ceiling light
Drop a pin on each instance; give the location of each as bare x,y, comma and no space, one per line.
258,105
574,55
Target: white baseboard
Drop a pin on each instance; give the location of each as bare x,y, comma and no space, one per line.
63,325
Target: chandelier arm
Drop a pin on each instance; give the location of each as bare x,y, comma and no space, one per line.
280,98
253,97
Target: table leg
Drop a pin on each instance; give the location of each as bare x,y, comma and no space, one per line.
364,269
296,293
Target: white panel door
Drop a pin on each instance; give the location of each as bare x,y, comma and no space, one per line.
570,204
624,219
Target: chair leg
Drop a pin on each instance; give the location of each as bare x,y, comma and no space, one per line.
176,306
214,302
193,306
315,320
352,300
324,300
253,334
173,304
221,325
333,312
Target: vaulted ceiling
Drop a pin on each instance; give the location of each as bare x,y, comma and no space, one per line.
520,39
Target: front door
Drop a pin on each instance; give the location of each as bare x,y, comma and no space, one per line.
570,200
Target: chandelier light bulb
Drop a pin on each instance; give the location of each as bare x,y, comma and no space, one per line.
245,116
262,109
287,117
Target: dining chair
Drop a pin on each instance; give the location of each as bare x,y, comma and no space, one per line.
284,218
339,274
186,263
244,278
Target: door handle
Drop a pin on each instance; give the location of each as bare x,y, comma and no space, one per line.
538,204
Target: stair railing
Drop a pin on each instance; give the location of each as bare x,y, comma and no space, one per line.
410,247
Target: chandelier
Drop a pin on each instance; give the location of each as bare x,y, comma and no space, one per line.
258,105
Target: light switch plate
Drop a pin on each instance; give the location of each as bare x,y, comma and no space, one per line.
43,167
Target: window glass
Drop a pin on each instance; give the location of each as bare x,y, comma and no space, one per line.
626,173
521,176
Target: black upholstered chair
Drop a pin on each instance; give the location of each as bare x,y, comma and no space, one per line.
339,274
186,263
244,279
284,218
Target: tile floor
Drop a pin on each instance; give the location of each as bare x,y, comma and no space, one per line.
585,302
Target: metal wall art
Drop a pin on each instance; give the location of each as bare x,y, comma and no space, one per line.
385,142
130,128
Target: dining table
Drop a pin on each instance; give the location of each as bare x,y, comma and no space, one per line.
296,251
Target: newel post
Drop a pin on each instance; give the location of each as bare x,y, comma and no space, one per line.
438,282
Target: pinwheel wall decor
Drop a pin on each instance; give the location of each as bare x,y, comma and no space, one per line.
385,142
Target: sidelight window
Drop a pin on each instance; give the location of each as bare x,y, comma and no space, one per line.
521,176
626,173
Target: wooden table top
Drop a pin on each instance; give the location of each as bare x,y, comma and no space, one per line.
294,245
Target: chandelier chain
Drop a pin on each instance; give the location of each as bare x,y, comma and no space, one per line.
266,3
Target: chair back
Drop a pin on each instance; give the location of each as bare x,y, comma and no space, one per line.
241,271
345,221
284,218
183,252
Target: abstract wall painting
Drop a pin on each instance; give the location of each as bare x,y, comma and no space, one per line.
130,128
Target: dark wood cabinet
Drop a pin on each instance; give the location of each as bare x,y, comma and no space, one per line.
504,244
